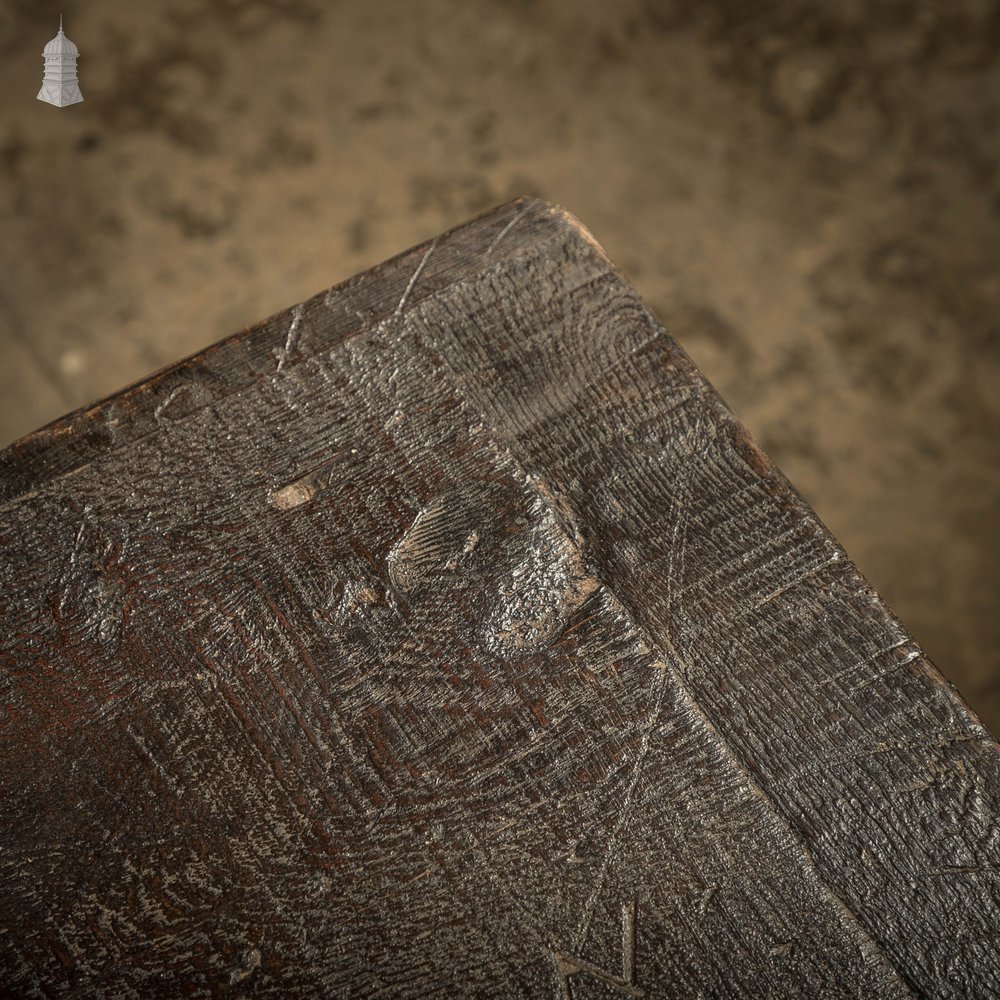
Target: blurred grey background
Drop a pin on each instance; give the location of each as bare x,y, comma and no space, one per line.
807,193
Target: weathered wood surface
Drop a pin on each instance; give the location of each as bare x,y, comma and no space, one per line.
447,636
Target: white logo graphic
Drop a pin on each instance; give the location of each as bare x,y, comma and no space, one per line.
59,86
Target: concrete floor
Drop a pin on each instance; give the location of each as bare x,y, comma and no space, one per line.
808,195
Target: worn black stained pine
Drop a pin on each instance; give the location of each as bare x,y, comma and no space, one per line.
447,636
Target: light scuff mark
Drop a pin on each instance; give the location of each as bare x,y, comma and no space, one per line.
294,494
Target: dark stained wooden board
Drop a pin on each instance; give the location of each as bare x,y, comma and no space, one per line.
446,635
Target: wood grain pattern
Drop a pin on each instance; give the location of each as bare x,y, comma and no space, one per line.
447,636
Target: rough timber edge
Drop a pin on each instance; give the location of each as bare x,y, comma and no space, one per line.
236,362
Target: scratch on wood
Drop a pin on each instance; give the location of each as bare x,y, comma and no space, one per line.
291,338
503,232
154,761
413,279
569,965
628,941
949,870
660,685
79,535
163,409
798,581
